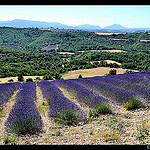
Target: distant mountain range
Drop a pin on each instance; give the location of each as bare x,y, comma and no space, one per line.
40,24
29,23
115,26
87,26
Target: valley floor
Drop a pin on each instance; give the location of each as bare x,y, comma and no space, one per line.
120,128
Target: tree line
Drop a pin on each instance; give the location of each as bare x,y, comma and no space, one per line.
14,62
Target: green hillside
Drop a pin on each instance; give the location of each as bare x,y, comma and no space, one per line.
31,60
35,39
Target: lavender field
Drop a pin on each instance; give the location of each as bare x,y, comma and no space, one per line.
99,109
12,46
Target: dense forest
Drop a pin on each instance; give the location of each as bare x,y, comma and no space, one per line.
35,39
30,59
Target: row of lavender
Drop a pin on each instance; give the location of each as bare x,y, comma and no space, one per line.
58,103
24,116
91,86
6,91
81,93
120,88
140,91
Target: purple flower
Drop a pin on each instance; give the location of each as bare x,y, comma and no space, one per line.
57,101
6,91
24,116
82,93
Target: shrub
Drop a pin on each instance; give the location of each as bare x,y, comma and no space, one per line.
22,126
29,79
11,80
101,108
43,108
112,72
24,116
6,91
142,133
38,79
58,133
10,139
128,71
57,76
132,103
80,76
67,117
111,135
20,78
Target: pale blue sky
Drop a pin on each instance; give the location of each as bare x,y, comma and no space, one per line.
102,15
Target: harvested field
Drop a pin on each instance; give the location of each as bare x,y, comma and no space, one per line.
106,33
111,50
119,39
100,71
108,61
69,53
5,80
144,40
111,61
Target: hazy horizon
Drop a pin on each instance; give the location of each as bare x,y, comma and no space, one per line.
130,16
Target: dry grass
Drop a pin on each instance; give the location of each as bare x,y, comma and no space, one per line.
108,61
111,50
5,80
144,40
111,61
69,53
106,33
100,71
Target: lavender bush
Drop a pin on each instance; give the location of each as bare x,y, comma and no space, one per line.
132,78
24,116
82,94
6,91
121,96
86,96
60,107
141,91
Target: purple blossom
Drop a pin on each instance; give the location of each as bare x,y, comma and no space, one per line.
24,116
82,94
132,78
139,90
57,101
6,91
107,90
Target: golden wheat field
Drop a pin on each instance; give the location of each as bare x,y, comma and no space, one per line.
100,71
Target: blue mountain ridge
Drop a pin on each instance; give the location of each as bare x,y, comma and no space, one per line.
42,24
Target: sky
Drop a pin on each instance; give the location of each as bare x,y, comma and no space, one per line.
73,15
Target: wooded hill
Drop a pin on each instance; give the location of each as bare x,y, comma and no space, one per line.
30,59
35,39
